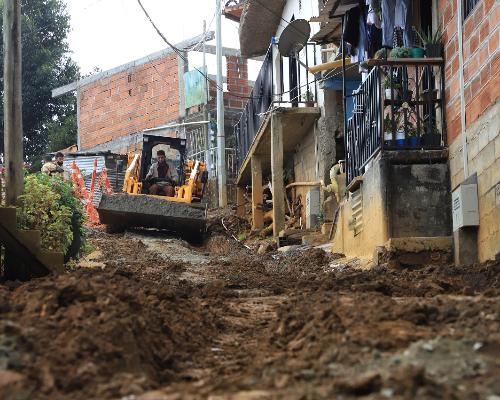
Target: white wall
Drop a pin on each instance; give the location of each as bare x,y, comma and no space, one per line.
304,9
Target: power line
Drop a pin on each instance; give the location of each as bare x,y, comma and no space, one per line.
180,53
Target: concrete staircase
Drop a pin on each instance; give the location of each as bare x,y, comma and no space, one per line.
24,257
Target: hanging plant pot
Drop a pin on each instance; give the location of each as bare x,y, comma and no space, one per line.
389,93
400,138
433,50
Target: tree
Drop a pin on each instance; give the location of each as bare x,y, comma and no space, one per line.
47,64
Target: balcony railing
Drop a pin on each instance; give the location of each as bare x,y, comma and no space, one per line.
399,106
283,81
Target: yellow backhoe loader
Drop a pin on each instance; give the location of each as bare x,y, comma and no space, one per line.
183,214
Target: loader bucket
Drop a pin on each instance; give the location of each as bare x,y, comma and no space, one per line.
121,211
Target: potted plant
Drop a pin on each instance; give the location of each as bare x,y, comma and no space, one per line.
401,137
308,98
391,86
429,95
432,42
431,136
413,137
400,52
417,52
388,139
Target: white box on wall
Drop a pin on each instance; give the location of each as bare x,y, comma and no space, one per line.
465,206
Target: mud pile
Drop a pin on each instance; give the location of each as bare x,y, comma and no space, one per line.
414,334
95,334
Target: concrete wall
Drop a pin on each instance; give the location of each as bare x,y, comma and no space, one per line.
420,201
374,228
398,201
483,138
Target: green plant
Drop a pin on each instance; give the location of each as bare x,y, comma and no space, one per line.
391,82
411,129
48,205
380,54
242,237
431,38
400,52
308,96
387,124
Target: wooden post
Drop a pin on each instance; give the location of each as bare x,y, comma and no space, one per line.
257,193
240,202
13,125
277,174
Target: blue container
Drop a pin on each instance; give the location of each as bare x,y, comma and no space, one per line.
414,141
400,139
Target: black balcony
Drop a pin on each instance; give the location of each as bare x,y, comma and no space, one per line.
283,82
399,106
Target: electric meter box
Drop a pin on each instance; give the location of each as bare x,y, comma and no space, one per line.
465,206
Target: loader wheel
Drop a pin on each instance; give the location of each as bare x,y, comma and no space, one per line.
115,228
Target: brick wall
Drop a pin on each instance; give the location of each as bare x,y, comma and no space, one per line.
481,61
481,89
128,102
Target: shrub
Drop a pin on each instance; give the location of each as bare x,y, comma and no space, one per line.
48,205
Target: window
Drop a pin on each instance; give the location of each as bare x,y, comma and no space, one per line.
469,6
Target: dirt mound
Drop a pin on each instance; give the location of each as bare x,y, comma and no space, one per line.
98,334
420,282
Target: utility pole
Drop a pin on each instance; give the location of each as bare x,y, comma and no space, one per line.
221,141
206,127
13,123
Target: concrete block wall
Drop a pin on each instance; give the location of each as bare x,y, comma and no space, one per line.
128,102
482,123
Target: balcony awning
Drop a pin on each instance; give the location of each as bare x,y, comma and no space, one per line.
331,17
259,23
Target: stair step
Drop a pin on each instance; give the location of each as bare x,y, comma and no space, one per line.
54,261
8,218
31,239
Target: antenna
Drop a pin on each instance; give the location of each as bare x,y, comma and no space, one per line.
294,38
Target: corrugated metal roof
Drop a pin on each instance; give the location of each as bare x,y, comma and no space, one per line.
86,164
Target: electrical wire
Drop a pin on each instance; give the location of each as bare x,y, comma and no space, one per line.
180,53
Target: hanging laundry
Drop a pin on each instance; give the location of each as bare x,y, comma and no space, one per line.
374,13
396,13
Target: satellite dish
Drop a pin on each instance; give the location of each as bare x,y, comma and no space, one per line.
294,38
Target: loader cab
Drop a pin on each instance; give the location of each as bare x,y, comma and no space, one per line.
175,150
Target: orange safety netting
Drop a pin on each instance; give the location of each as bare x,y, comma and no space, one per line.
81,192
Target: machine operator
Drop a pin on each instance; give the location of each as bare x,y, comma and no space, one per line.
162,176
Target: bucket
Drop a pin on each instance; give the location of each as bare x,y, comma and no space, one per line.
400,138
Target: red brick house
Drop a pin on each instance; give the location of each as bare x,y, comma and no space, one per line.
115,106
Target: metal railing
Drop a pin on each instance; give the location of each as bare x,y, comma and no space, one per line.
399,106
283,81
210,157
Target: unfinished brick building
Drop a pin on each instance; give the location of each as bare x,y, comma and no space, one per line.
115,106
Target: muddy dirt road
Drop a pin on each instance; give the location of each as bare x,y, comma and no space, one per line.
150,317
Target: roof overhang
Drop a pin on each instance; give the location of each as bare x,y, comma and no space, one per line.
259,22
233,12
330,17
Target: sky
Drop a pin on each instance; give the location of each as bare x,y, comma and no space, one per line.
109,33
